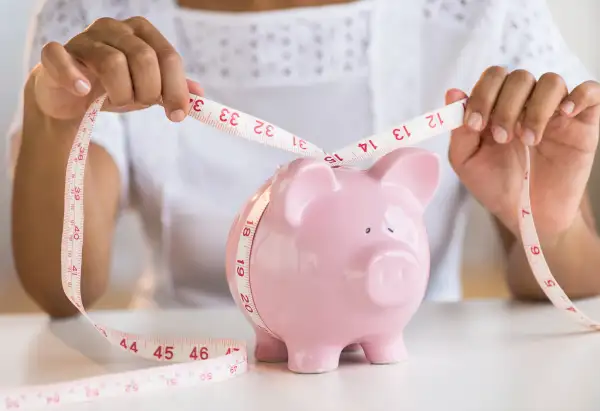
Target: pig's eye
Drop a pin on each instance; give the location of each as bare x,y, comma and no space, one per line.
391,230
368,230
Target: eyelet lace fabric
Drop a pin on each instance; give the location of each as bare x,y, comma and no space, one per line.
531,36
303,45
280,47
455,12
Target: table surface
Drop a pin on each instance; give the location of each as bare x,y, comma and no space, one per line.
476,355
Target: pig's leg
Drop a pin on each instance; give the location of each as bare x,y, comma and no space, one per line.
352,348
385,350
312,358
268,348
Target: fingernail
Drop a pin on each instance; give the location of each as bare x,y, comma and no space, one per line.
528,137
567,107
474,121
177,115
499,134
82,87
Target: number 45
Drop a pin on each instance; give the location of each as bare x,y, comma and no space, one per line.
168,352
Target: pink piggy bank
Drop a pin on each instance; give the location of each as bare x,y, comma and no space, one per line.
339,258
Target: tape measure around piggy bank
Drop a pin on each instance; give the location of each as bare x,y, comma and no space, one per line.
201,361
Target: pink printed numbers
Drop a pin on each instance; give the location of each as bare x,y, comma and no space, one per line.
246,302
207,376
92,115
400,133
91,392
298,142
365,147
164,352
199,353
229,117
77,193
81,153
197,104
435,120
76,235
333,159
264,128
55,399
132,387
131,347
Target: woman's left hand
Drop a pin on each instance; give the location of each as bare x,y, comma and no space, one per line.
505,111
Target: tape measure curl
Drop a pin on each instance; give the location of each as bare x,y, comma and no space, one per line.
208,360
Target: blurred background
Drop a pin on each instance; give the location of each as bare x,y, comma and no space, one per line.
482,260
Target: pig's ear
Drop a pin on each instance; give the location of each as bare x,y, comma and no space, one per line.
416,169
298,185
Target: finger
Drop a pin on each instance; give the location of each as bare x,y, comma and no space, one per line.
583,96
143,67
108,64
195,88
511,101
453,95
543,103
464,142
63,69
175,93
483,97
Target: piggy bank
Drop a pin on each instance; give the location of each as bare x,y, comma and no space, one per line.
339,259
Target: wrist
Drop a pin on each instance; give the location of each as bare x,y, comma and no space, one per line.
37,123
549,240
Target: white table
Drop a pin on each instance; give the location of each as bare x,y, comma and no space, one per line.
480,355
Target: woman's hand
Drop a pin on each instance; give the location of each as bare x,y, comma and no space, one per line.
129,60
507,110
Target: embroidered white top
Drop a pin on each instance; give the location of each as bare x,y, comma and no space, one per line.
332,74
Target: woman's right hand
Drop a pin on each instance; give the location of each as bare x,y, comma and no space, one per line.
130,61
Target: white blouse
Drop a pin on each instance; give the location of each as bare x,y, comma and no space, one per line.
331,74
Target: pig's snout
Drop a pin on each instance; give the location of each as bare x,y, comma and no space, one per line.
390,276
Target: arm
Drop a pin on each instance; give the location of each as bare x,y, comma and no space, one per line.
539,47
573,260
37,210
39,149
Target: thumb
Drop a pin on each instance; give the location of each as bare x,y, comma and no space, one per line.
464,142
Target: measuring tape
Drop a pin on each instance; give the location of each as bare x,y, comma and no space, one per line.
209,360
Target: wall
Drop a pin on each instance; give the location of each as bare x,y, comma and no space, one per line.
578,23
